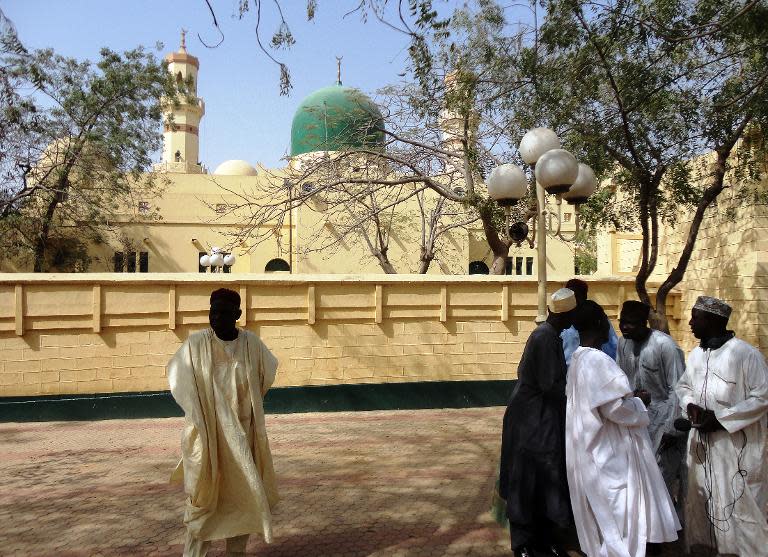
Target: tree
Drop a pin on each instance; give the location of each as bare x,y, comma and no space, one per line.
658,93
355,199
453,78
78,138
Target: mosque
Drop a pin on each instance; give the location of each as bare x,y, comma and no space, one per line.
196,207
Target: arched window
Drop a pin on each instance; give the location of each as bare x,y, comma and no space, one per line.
478,268
277,265
179,78
177,156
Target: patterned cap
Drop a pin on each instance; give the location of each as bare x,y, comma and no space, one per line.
561,301
713,305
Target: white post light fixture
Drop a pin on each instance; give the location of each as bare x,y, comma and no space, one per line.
217,260
556,171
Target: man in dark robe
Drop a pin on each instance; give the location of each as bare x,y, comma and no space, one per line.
532,476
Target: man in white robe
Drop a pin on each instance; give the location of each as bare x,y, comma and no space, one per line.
619,499
724,393
219,377
654,363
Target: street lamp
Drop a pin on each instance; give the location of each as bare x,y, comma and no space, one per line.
555,171
216,260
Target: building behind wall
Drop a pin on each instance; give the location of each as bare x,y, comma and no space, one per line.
195,207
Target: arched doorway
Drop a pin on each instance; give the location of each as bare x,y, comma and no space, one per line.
478,268
277,265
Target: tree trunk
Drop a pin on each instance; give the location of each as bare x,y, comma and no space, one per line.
384,262
677,274
425,260
39,254
499,247
41,243
386,265
658,320
499,265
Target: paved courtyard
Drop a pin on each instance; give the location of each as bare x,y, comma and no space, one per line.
395,483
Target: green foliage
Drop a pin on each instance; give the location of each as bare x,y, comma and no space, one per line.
78,138
642,91
585,253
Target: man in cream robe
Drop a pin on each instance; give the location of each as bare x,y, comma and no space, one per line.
724,393
619,499
219,377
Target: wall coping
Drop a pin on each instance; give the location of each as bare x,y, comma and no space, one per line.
284,278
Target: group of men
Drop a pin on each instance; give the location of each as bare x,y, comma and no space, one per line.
596,435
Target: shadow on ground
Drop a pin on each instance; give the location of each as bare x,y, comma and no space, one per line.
367,484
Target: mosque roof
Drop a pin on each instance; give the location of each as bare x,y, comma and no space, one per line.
235,168
336,118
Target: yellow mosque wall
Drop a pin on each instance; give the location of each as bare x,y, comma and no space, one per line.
189,224
109,332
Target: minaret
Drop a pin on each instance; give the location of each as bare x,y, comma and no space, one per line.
181,139
451,120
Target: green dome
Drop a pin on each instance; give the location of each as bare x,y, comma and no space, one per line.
336,118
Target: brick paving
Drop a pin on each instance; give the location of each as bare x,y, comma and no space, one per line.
394,483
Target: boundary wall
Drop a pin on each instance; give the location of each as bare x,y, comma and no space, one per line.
114,333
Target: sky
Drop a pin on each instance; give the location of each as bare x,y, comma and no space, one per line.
245,117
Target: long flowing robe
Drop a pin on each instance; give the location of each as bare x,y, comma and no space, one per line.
226,465
532,476
728,470
656,364
619,498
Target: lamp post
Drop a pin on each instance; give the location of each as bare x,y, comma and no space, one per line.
217,260
554,171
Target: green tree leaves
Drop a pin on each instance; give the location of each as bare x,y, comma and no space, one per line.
78,140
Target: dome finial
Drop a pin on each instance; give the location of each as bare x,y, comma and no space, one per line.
338,70
183,46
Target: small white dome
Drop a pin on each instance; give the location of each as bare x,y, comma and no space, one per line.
235,168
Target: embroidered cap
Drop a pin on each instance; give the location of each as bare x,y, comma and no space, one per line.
561,301
713,305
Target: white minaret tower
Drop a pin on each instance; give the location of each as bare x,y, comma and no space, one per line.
181,134
452,126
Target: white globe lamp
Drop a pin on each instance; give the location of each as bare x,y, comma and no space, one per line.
557,170
205,260
584,186
536,142
229,259
217,260
507,184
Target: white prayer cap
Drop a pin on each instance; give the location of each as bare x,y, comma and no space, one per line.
713,305
561,301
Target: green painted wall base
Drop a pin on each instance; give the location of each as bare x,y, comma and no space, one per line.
284,400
